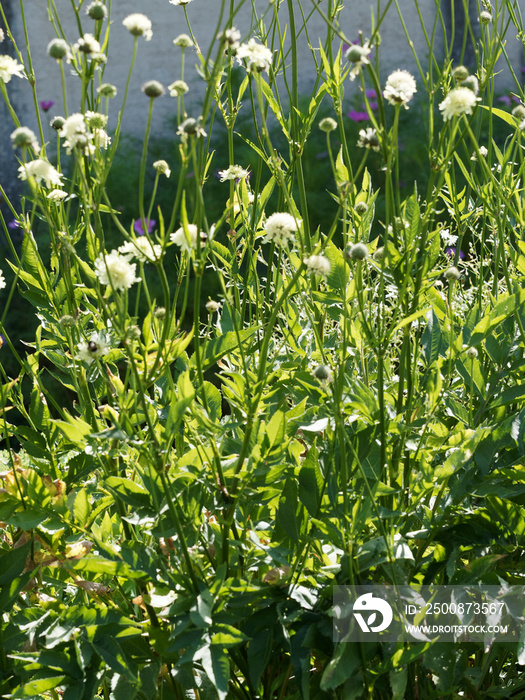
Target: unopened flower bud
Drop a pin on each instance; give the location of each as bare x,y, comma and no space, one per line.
519,112
67,321
160,312
323,373
452,274
485,17
361,208
212,306
153,89
107,90
358,251
471,83
57,123
58,48
460,73
328,124
183,40
162,167
378,254
472,353
97,10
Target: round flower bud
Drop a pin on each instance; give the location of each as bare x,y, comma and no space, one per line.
67,321
354,53
472,353
57,123
460,73
153,89
160,312
361,208
212,306
107,90
519,112
485,17
162,167
378,255
358,251
452,274
323,373
190,125
328,124
183,40
178,88
97,10
58,48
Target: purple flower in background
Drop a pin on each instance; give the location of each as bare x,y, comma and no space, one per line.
451,252
372,94
505,99
13,224
372,105
46,104
358,116
137,226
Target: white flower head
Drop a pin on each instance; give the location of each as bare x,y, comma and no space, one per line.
189,242
230,37
9,67
142,249
258,57
97,346
183,41
162,167
191,127
234,172
280,228
116,270
101,139
178,88
368,139
180,2
138,24
400,88
2,35
87,44
42,171
459,101
57,195
2,280
318,265
74,131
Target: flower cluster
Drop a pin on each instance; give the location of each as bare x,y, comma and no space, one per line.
74,131
258,57
188,240
400,88
318,265
42,171
142,249
460,100
280,228
138,24
9,67
97,346
234,172
116,270
368,139
358,56
25,138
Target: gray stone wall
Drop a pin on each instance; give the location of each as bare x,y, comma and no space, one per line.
160,59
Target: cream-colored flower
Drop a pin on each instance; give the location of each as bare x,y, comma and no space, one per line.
318,265
258,57
116,270
97,346
234,172
178,88
400,88
138,24
2,280
459,101
280,228
9,67
189,241
42,171
142,249
57,195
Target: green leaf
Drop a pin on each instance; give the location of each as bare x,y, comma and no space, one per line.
74,429
276,428
128,491
510,515
259,653
215,663
287,513
12,563
213,350
511,121
344,665
341,171
227,636
311,482
38,410
79,506
111,653
38,686
213,401
431,339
